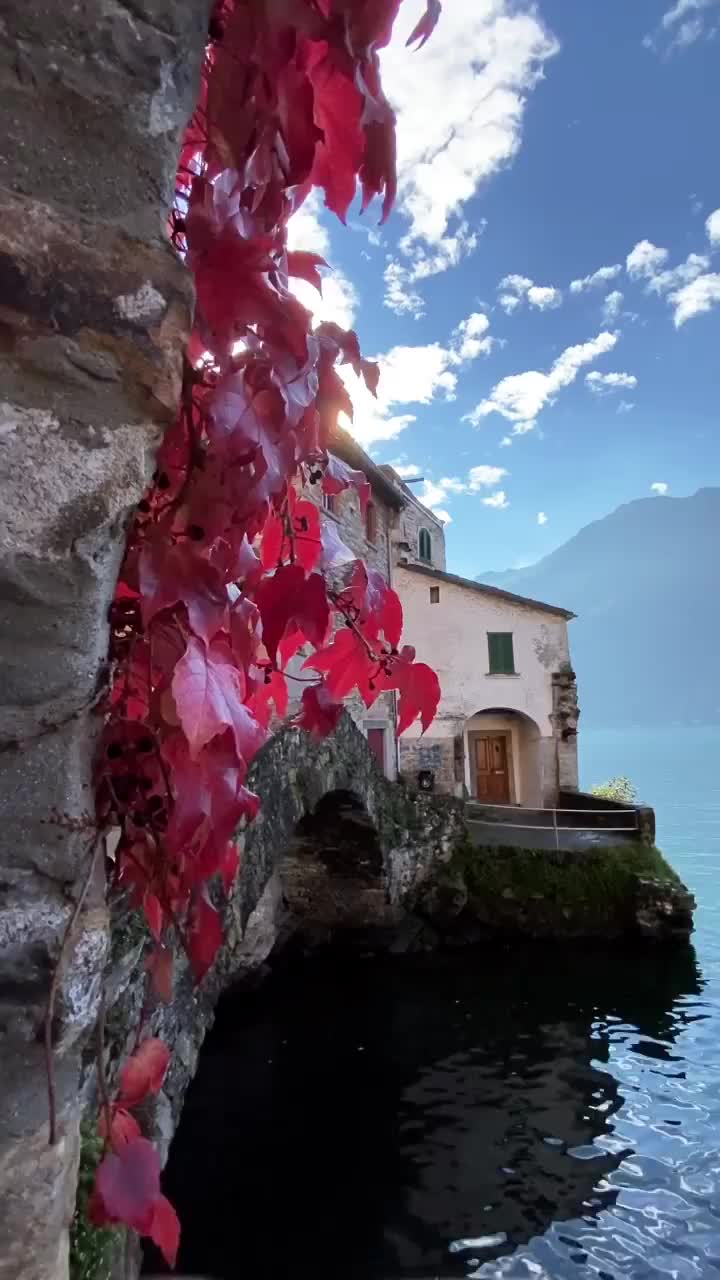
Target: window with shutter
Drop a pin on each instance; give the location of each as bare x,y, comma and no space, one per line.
371,523
425,545
500,653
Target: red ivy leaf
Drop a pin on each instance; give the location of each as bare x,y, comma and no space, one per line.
272,541
339,476
289,599
153,914
205,936
379,168
273,689
229,866
305,266
128,1184
208,691
171,575
419,694
319,714
347,665
379,606
159,965
426,25
165,1229
123,1127
144,1072
337,110
307,545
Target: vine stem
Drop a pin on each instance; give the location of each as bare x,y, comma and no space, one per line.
55,985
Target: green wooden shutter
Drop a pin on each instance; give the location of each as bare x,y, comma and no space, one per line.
500,653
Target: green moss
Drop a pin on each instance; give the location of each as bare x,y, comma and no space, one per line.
91,1248
556,890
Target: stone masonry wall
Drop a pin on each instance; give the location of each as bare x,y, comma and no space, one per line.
94,312
436,754
414,518
565,717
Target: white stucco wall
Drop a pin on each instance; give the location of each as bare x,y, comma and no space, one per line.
451,636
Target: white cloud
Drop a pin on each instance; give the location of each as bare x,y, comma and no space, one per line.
645,260
408,376
682,25
484,477
497,500
520,397
689,287
471,338
541,517
601,277
406,471
460,102
339,300
603,383
506,442
509,302
712,226
400,296
660,488
514,290
682,8
443,515
433,493
625,406
544,296
694,266
612,306
413,375
693,299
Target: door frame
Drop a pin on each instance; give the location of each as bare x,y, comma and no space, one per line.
507,734
386,726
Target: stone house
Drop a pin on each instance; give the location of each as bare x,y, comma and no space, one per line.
506,727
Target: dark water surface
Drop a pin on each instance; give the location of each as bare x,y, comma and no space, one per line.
516,1112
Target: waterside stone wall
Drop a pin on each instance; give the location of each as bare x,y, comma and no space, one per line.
94,312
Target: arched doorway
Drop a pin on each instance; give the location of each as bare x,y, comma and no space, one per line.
506,759
332,875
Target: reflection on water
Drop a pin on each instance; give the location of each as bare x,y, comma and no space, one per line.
452,1117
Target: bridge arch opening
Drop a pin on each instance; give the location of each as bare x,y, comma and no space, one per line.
333,874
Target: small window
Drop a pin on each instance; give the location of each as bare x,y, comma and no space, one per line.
371,523
500,652
425,545
434,595
328,501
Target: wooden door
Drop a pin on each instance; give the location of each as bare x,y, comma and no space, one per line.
376,743
492,773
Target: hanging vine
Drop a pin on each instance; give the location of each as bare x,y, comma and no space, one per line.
225,575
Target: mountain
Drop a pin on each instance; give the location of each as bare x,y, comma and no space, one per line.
645,584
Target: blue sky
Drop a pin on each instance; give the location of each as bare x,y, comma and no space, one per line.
540,145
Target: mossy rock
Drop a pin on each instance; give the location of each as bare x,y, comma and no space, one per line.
541,893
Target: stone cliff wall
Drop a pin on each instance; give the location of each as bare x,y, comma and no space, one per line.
94,314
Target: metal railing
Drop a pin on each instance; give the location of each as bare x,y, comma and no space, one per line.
632,825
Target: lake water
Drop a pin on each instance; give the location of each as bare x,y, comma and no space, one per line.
515,1112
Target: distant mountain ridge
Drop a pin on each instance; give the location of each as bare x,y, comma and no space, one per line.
645,584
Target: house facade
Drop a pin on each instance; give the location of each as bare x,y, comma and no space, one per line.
506,727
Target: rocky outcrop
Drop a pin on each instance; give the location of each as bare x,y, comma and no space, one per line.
626,891
94,312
